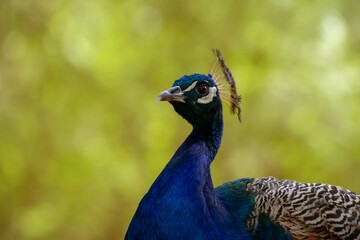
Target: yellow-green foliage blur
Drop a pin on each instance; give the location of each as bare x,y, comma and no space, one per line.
82,140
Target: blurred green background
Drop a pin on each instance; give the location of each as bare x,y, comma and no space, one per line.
81,138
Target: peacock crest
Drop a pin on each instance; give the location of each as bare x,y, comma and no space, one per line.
226,84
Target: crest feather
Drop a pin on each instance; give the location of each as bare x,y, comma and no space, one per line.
223,78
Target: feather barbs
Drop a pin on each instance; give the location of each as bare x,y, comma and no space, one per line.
226,84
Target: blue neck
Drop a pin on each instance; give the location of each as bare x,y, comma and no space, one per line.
185,186
202,145
189,168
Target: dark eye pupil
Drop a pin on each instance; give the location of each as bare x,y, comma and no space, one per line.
203,89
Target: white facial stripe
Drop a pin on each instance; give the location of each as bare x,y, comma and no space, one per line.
191,87
208,98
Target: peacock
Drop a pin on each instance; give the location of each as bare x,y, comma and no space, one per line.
182,203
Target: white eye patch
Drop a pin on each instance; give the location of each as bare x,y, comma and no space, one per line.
191,87
208,98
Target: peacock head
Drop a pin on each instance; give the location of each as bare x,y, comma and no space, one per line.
198,97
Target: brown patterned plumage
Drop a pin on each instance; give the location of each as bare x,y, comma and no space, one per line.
306,210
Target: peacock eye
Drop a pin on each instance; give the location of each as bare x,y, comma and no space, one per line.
202,89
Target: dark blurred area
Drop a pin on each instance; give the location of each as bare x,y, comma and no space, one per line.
81,138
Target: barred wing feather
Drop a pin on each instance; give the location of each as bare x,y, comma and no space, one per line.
306,210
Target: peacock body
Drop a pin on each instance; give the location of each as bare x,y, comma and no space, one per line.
182,203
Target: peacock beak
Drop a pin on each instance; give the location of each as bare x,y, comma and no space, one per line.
172,94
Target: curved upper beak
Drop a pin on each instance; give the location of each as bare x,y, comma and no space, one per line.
172,94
